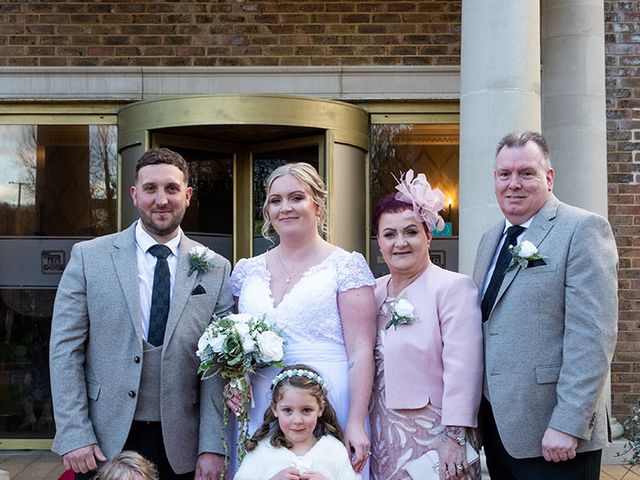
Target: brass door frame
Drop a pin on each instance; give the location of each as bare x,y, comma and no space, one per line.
345,127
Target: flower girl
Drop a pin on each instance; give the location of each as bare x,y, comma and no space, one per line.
300,438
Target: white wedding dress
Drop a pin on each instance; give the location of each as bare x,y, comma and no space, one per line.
308,319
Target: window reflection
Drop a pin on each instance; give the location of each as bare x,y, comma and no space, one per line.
58,186
430,149
58,179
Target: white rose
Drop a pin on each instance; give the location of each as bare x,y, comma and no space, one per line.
403,308
207,340
248,345
271,346
216,343
202,343
243,329
527,249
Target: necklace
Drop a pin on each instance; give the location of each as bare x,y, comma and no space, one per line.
304,261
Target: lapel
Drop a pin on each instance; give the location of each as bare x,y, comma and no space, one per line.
126,265
182,289
536,233
486,251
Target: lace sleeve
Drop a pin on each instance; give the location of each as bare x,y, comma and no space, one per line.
238,276
353,272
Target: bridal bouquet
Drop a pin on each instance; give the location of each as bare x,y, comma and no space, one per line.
233,346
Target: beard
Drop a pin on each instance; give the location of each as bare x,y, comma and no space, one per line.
161,229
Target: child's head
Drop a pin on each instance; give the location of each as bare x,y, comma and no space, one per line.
299,409
127,465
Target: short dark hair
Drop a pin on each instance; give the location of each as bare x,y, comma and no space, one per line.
389,204
520,139
158,156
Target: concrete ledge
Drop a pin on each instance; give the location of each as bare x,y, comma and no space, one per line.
144,83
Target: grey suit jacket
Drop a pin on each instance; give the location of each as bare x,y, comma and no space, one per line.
549,340
96,352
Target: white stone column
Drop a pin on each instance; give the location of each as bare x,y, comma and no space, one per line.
499,93
573,100
574,112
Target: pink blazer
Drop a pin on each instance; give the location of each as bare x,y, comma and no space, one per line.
437,359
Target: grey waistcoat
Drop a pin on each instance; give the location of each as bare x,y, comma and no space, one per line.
148,406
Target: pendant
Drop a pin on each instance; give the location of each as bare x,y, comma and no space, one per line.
288,279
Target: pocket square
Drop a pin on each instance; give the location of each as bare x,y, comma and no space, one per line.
199,290
536,263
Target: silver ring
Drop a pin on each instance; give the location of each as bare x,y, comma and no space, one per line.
459,468
367,453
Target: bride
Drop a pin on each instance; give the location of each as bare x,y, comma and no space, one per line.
319,296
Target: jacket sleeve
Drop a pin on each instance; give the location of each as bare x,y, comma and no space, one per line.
211,391
461,328
590,326
69,332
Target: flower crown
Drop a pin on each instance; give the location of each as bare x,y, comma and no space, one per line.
297,372
427,202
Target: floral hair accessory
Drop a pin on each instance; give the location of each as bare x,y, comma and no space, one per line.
426,201
297,372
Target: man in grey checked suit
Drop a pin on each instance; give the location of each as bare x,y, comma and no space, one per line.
550,333
120,378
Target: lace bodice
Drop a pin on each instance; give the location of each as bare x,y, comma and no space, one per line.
309,311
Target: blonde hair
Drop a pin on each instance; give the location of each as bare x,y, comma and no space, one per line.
126,466
308,176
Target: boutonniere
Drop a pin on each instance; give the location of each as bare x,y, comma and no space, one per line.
523,254
200,260
402,313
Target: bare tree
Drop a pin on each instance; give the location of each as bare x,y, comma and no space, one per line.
103,178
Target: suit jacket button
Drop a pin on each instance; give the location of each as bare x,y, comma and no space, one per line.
132,394
136,359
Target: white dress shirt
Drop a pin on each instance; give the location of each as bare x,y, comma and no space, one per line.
146,268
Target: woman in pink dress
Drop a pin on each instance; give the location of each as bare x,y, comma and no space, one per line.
428,354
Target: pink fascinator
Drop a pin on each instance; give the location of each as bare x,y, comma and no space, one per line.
426,201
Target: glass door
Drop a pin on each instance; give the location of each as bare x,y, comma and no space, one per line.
228,179
209,218
267,157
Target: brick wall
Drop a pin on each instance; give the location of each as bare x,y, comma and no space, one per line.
229,32
622,28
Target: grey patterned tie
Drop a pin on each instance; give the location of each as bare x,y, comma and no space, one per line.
502,263
159,295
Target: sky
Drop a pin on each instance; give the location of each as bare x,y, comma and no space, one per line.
9,134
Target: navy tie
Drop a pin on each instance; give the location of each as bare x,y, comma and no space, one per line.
502,263
159,295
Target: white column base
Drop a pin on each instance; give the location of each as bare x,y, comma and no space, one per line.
4,475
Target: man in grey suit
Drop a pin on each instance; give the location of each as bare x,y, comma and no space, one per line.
550,324
126,324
